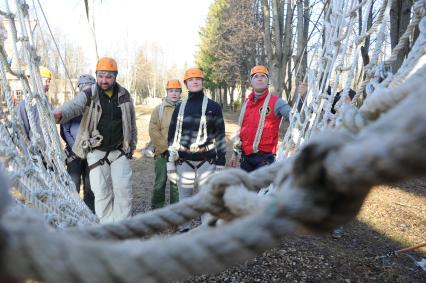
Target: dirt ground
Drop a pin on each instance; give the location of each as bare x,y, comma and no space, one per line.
392,218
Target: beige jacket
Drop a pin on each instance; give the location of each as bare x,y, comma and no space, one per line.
159,126
87,103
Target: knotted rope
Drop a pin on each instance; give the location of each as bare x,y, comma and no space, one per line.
322,187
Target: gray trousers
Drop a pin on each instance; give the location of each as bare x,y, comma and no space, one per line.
191,178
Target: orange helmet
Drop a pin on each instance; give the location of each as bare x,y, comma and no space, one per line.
193,73
106,64
259,69
173,84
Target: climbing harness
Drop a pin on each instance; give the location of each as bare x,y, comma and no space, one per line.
105,160
197,146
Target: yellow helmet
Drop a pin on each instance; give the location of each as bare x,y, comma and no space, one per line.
45,72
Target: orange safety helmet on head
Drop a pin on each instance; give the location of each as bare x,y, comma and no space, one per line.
259,69
193,73
173,84
106,64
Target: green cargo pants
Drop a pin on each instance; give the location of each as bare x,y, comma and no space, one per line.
159,193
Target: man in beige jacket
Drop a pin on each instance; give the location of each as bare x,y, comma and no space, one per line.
107,138
158,131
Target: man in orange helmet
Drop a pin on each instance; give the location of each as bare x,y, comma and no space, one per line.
259,121
158,131
107,138
196,138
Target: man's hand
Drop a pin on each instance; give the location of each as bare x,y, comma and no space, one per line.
57,115
234,160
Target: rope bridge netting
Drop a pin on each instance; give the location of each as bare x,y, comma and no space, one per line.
321,185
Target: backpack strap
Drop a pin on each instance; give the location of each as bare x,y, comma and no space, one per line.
89,93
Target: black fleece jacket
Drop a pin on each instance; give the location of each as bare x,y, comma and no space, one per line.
191,122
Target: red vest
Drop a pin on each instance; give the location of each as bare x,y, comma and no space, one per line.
269,139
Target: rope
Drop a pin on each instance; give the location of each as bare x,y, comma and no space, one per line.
316,116
322,187
419,12
37,164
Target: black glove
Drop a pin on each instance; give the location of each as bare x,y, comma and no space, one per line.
129,155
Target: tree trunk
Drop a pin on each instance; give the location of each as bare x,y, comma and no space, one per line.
366,47
231,96
279,35
243,79
301,63
243,94
225,96
287,49
327,13
399,19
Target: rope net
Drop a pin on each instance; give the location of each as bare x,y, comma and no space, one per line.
37,168
323,175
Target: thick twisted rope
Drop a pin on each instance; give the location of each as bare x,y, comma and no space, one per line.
209,199
325,187
321,187
419,12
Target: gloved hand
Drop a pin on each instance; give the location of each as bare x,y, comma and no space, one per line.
129,155
171,172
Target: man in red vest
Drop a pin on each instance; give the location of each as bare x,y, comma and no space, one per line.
259,121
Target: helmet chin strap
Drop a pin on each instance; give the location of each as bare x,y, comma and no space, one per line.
260,91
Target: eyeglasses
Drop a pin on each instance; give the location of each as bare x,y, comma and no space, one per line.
104,76
259,76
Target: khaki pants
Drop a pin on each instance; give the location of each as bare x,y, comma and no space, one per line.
111,185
